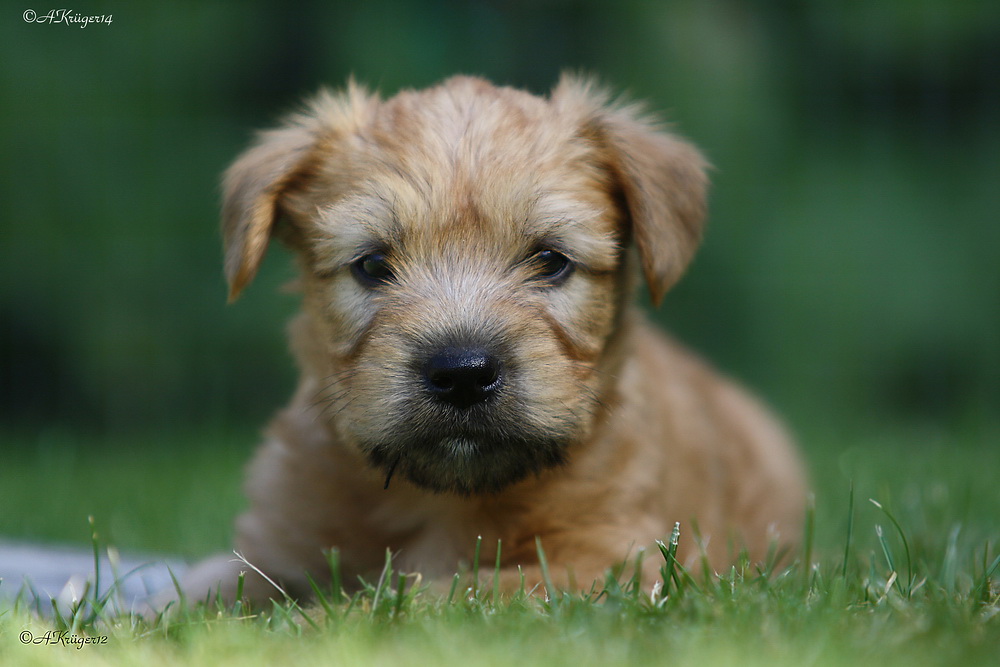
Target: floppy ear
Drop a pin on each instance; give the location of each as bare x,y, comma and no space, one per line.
663,180
661,177
278,161
251,189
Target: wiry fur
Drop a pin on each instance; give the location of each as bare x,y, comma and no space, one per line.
604,432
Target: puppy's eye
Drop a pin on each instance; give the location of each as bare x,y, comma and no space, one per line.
372,269
552,267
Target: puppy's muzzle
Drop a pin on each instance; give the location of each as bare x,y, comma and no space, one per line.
463,376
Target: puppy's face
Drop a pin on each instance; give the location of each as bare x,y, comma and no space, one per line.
463,260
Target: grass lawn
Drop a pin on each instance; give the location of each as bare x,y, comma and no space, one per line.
919,585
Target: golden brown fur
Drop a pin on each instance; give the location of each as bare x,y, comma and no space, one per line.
591,430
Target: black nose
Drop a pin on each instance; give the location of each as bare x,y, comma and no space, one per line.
463,376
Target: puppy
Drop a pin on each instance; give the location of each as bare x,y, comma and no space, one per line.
470,361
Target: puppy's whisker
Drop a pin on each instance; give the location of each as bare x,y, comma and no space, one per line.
330,405
336,385
343,407
392,469
336,379
333,403
591,394
330,399
569,421
596,368
332,394
338,374
577,410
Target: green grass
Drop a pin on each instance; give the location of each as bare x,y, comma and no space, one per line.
911,580
175,494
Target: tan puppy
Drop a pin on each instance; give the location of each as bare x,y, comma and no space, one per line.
471,364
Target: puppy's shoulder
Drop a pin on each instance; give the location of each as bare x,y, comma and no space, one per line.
678,384
692,413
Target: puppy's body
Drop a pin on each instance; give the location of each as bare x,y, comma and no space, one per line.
470,362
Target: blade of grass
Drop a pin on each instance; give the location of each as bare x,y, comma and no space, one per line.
983,589
454,587
400,594
336,582
321,597
288,598
496,577
850,531
886,550
807,542
678,573
949,563
668,569
906,547
97,554
706,566
475,567
543,565
238,602
383,580
635,583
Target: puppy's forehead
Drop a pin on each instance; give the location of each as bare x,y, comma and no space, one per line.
466,162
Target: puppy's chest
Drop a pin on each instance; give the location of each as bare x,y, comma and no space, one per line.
432,540
434,553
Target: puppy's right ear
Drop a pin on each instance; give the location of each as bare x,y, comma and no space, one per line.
277,162
252,187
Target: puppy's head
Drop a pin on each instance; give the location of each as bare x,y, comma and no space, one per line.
464,263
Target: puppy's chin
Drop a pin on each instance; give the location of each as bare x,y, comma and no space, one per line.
466,465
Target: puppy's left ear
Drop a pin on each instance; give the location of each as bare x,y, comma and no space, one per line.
664,183
662,179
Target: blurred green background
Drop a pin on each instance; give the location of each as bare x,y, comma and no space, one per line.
851,270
